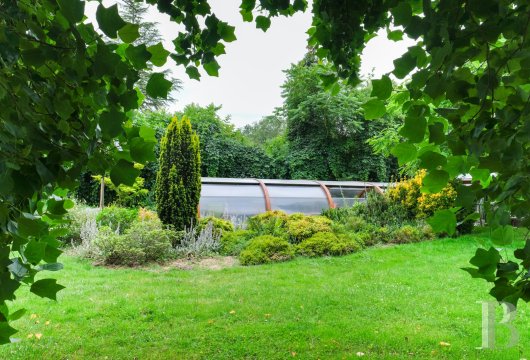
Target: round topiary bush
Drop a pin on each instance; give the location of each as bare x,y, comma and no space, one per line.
325,243
266,249
233,242
302,228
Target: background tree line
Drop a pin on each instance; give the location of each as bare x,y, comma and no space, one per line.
314,135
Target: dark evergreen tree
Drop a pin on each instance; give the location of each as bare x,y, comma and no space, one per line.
178,181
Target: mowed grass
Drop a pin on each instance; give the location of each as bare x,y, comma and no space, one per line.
395,302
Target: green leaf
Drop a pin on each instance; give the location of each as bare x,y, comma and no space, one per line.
158,86
193,72
414,129
226,32
502,235
138,55
485,258
129,33
395,35
435,181
5,333
405,153
212,68
124,172
263,22
436,133
30,226
404,65
443,221
382,88
147,133
482,175
374,109
158,54
47,288
109,20
56,207
73,10
17,314
111,122
51,267
402,13
246,15
34,251
142,151
432,160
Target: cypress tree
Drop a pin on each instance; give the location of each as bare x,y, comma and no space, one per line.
178,181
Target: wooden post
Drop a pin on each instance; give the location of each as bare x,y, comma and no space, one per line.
102,193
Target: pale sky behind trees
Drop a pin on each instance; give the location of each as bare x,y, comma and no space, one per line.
249,83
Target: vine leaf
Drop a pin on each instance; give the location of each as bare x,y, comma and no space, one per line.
109,20
443,221
158,86
382,88
374,109
47,288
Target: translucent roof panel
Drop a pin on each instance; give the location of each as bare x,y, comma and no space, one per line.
344,196
291,199
224,200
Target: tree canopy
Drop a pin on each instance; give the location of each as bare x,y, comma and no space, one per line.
66,97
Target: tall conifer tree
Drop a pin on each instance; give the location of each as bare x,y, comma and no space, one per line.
178,182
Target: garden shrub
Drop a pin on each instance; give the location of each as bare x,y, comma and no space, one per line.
355,224
117,218
340,214
79,219
268,223
302,228
407,192
143,242
196,243
233,242
326,243
147,215
427,233
219,225
265,249
406,234
125,195
380,235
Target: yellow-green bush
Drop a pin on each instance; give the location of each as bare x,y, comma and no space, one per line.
326,243
406,234
407,192
265,249
268,223
302,228
220,226
233,242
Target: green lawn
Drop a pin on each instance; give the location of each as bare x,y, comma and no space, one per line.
387,302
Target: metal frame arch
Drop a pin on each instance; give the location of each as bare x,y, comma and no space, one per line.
265,194
325,189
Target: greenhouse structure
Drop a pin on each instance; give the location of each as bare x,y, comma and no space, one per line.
224,197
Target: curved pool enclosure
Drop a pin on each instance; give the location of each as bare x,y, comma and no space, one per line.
225,197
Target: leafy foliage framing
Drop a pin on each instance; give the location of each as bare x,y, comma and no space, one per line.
65,95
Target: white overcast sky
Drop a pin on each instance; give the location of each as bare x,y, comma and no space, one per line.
251,74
